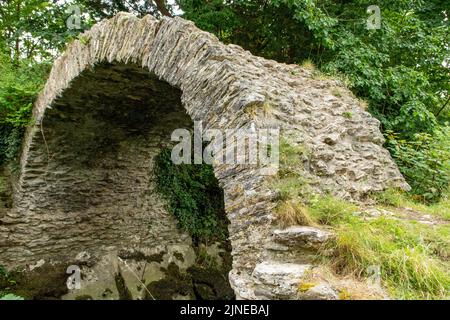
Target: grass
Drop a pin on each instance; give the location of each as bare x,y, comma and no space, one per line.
2,184
290,182
291,159
363,104
347,114
193,196
267,109
413,257
206,260
308,65
292,212
394,198
336,92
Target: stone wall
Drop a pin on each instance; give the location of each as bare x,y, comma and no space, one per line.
56,201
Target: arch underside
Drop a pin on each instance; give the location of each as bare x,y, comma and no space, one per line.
89,183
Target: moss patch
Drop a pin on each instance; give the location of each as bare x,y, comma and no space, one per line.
175,283
139,256
124,293
44,283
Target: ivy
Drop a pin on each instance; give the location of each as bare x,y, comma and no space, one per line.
194,197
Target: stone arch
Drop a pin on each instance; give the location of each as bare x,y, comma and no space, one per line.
224,87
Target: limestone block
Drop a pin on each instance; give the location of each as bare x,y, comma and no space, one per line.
302,236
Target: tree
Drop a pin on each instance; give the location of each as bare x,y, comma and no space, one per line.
101,9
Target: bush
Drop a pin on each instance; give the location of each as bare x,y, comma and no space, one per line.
424,161
19,86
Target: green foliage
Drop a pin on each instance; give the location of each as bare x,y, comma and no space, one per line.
390,197
194,197
399,69
11,296
290,182
106,9
395,198
347,115
19,86
329,210
424,161
36,30
292,212
7,282
291,159
215,16
206,260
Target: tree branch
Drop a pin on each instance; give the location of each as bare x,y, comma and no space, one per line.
445,104
161,5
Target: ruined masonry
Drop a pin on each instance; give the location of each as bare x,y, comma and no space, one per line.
122,88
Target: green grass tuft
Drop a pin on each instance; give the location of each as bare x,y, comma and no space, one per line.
329,210
291,213
413,257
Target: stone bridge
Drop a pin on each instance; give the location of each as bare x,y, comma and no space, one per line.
113,99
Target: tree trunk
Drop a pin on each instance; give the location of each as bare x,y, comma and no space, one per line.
161,5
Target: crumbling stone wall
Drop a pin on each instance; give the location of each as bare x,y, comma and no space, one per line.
218,84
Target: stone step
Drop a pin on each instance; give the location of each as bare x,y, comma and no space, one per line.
268,271
278,280
302,236
318,291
